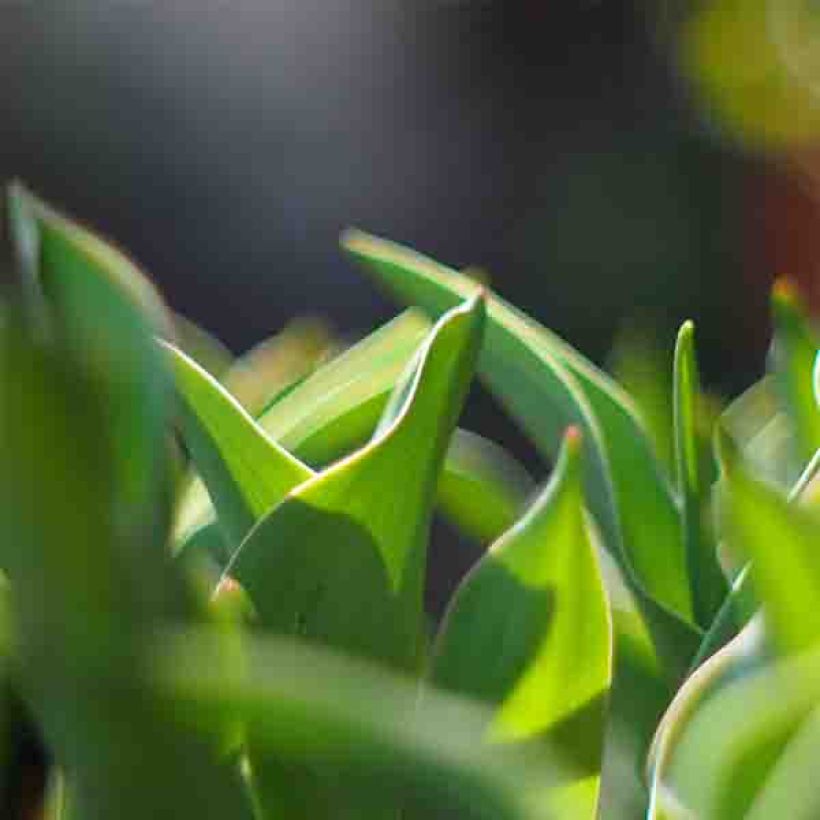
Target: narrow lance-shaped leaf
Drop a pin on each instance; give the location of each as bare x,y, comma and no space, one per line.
546,385
245,471
794,350
706,577
529,632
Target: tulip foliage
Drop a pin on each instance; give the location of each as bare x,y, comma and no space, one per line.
213,571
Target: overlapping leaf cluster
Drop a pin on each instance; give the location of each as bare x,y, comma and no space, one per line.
214,571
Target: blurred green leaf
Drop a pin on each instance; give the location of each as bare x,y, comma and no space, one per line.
304,704
790,790
794,350
201,346
781,542
745,725
245,471
642,370
741,655
529,632
482,488
763,432
259,376
98,307
741,602
81,606
547,385
706,577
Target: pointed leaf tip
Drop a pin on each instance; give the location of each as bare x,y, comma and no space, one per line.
785,290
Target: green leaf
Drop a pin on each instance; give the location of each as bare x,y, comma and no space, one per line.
341,560
78,583
793,354
305,705
745,725
262,374
482,488
741,655
547,386
642,369
763,432
245,471
780,540
333,411
95,304
326,416
741,602
790,789
201,346
336,408
529,632
706,576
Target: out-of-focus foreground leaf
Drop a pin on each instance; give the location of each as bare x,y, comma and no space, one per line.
780,540
79,608
528,631
98,307
304,704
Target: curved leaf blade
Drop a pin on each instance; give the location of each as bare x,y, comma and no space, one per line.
245,471
529,632
530,370
781,542
706,577
335,409
341,560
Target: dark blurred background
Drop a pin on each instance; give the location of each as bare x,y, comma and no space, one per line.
560,146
